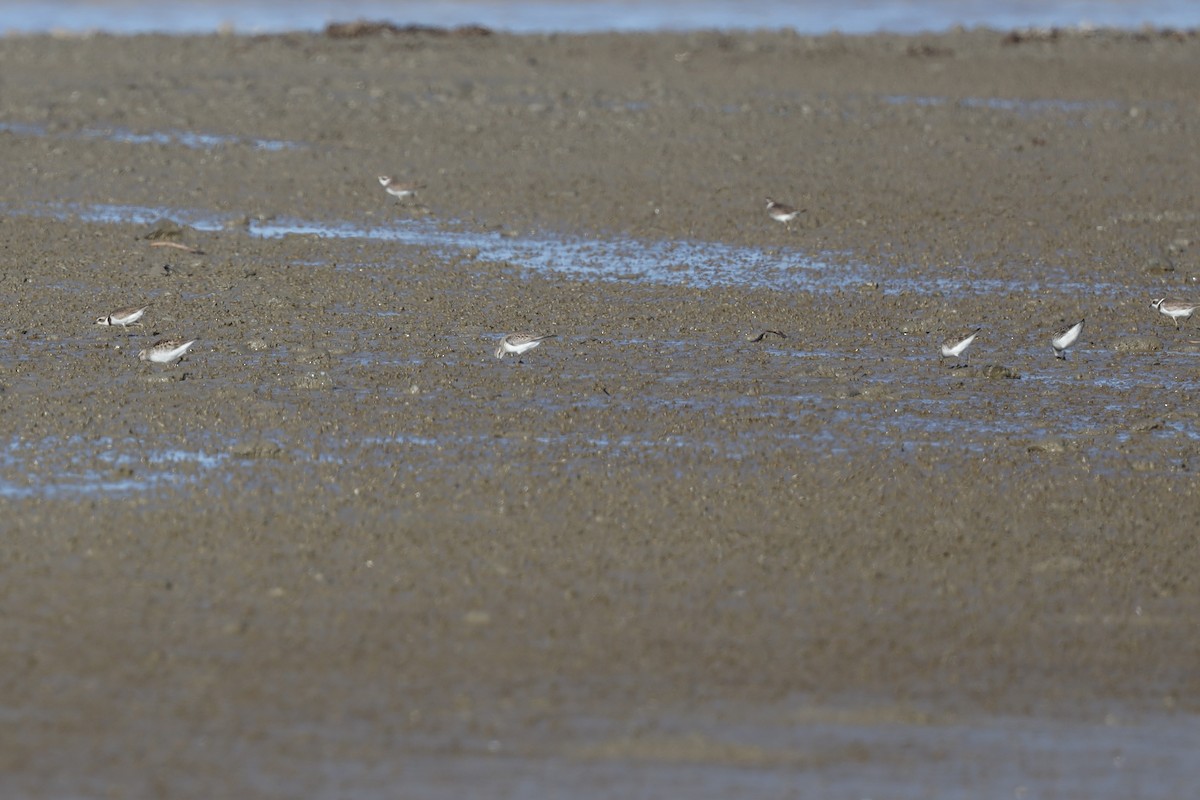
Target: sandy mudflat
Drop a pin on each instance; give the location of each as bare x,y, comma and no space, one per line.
342,551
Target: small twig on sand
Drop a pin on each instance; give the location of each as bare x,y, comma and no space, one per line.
184,247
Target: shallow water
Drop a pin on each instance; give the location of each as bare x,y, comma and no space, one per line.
823,398
55,466
1014,104
868,402
189,139
957,760
692,263
578,16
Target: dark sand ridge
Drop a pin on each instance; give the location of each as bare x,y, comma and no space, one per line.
404,546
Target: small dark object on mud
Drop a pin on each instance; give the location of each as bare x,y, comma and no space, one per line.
361,28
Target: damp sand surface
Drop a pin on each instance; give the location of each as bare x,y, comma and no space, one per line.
735,531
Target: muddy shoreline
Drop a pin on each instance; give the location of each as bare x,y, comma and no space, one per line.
341,534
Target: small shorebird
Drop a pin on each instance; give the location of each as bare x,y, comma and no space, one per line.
956,349
781,212
123,317
165,351
399,189
1065,338
519,343
1175,309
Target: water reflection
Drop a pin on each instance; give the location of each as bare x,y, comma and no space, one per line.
668,262
189,139
81,466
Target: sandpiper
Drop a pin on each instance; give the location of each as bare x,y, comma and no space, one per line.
399,189
519,343
1065,338
1175,309
123,317
956,349
781,212
165,351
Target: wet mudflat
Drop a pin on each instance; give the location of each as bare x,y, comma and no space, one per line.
342,549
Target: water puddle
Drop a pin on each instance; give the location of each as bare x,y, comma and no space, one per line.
817,401
811,756
906,407
702,264
80,466
669,262
188,139
1016,105
374,359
